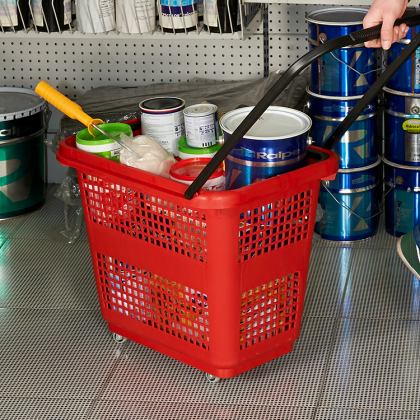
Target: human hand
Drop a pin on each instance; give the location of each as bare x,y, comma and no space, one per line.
386,12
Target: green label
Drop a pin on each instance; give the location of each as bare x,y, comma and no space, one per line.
412,126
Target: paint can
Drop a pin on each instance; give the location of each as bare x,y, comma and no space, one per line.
136,16
407,77
275,144
162,118
201,125
351,204
358,147
101,145
188,152
51,15
15,16
402,198
95,16
402,127
22,131
186,171
178,16
347,71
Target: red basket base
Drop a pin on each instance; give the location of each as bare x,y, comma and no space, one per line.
219,373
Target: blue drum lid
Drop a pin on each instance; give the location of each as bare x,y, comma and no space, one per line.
18,103
337,16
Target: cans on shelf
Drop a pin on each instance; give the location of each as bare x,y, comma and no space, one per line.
201,125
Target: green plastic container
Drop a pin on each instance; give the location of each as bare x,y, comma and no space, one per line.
22,130
100,144
188,152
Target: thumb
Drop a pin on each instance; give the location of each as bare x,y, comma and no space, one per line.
387,32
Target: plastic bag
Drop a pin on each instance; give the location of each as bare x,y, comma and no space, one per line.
154,158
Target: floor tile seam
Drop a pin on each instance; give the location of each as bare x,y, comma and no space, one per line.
106,381
368,409
380,319
13,397
51,309
333,336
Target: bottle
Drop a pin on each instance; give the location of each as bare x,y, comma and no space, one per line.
221,12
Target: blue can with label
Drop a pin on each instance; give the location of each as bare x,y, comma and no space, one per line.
402,127
275,144
351,204
407,78
402,198
358,147
346,71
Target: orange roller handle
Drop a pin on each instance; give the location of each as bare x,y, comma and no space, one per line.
65,105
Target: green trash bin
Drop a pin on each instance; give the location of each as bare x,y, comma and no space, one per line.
22,132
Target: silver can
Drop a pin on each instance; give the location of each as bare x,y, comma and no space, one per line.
201,125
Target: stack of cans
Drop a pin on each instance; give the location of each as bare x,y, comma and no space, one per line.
402,142
338,81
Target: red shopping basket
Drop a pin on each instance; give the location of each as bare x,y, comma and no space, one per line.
217,282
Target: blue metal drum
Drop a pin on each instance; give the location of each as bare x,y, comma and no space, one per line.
275,144
402,127
407,78
402,198
357,216
358,147
346,71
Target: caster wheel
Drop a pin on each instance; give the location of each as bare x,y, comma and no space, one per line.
212,379
119,339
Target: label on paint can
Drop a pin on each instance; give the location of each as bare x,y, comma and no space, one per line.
412,126
178,14
412,147
8,13
201,125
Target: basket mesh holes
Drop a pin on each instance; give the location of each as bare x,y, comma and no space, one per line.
155,301
145,217
267,310
274,225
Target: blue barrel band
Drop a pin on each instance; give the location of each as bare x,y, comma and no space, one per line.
399,93
361,118
21,139
265,164
401,114
315,44
353,190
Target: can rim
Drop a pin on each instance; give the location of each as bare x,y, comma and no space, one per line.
360,169
337,98
320,22
90,141
161,111
24,112
184,148
248,109
211,110
399,166
398,93
204,161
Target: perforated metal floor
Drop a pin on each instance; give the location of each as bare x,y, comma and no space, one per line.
357,357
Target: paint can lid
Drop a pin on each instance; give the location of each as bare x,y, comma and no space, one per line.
161,104
200,110
276,123
18,103
189,169
184,148
337,16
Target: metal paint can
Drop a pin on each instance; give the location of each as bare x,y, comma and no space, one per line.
407,78
178,16
201,125
358,147
275,144
22,130
162,118
402,127
351,204
347,71
402,198
186,171
188,152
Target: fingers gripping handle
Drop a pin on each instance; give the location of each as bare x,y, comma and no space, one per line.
65,105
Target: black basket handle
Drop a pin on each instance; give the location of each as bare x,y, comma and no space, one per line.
352,39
